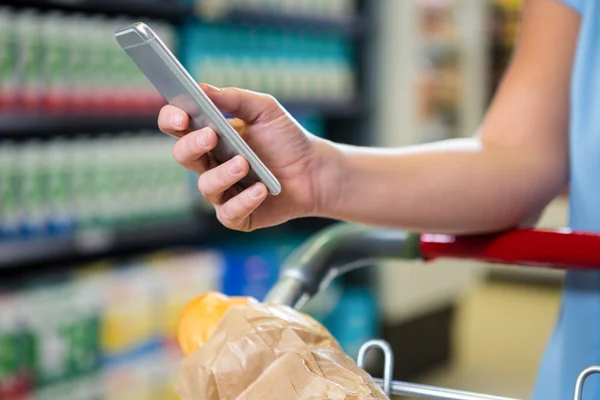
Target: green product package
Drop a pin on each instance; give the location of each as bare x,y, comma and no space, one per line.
16,347
34,180
10,181
8,53
65,332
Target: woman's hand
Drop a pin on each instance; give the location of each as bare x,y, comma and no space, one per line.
293,155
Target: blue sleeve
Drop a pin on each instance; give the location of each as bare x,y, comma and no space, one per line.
577,5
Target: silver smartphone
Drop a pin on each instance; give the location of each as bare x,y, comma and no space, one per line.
178,88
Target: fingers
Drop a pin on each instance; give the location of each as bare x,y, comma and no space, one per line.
191,150
244,104
212,184
235,213
173,121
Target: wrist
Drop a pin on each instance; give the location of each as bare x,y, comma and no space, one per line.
328,178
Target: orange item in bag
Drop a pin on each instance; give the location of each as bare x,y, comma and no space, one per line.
201,316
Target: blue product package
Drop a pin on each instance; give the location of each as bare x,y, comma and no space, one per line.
355,320
61,227
248,273
252,268
9,230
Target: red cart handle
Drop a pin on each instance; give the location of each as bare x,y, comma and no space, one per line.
562,249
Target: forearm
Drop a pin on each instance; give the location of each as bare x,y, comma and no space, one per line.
460,186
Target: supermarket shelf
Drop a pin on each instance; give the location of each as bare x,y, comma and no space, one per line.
40,125
94,244
60,253
160,9
339,26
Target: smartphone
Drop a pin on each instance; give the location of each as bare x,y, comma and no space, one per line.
178,88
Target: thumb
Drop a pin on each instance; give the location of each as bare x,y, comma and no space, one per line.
243,104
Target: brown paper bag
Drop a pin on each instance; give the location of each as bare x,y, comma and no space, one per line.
268,352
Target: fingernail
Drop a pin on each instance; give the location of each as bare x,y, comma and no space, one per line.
212,88
257,191
234,168
202,139
177,120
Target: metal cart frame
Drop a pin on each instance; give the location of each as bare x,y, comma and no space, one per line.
345,247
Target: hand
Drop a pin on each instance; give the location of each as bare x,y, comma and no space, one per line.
292,154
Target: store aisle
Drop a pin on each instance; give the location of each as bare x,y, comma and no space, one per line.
501,331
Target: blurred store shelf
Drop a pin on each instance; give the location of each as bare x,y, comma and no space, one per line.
40,125
169,10
98,244
351,26
101,243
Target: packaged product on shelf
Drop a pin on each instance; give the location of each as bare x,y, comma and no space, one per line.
95,68
125,167
149,377
129,327
153,177
80,55
87,387
312,8
33,188
184,276
63,319
157,187
105,177
10,204
7,58
82,185
181,201
16,347
128,380
115,63
60,195
54,62
120,169
292,67
171,364
28,72
106,182
252,269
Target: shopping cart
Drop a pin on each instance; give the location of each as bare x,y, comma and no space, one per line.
345,247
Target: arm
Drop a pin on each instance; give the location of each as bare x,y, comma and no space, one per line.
516,164
508,172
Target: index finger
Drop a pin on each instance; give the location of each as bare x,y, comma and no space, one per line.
173,121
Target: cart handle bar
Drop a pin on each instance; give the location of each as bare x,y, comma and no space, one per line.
560,249
344,247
